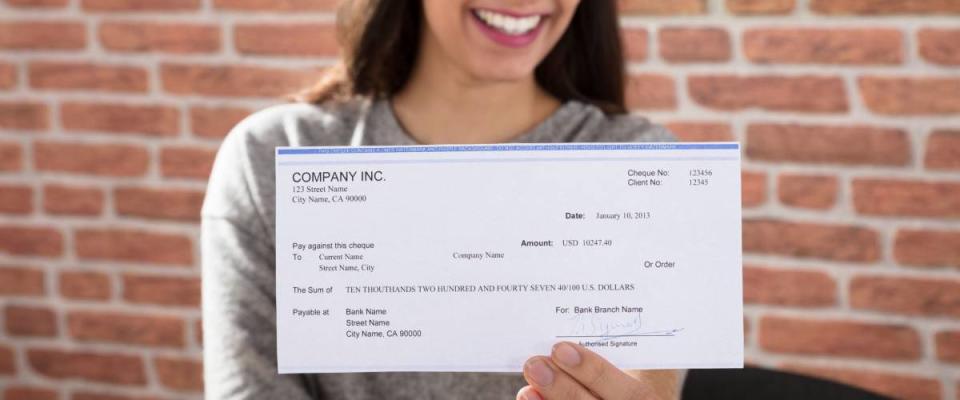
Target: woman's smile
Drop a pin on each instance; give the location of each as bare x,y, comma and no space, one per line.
495,40
509,29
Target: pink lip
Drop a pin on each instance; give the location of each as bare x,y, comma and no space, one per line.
504,39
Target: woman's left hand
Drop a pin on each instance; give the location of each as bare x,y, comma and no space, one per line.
573,372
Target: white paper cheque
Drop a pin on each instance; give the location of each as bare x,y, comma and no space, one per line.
475,258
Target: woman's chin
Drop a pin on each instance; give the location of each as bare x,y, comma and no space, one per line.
495,70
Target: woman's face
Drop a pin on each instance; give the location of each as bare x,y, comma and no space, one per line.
498,40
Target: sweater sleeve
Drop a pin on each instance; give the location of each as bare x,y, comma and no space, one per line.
239,318
238,262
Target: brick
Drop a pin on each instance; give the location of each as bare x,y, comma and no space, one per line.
286,39
885,7
839,338
794,288
11,157
175,38
656,7
30,240
825,241
151,120
134,245
911,96
898,197
824,46
85,285
16,199
20,281
276,5
651,92
8,365
117,160
680,44
808,191
180,374
752,7
910,296
72,200
943,150
174,204
186,162
42,35
948,346
162,290
8,76
198,331
56,75
940,46
894,385
927,248
753,186
30,393
807,94
849,145
103,367
215,122
634,43
114,327
701,131
233,81
139,5
24,116
30,321
38,3
81,395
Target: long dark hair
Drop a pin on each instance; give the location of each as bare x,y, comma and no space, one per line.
381,40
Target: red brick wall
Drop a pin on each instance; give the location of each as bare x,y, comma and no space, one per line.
849,111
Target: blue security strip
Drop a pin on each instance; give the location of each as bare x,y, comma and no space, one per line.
504,160
509,147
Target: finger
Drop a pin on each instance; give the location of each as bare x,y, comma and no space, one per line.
528,393
551,382
597,374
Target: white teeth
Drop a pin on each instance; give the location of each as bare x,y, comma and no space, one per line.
507,24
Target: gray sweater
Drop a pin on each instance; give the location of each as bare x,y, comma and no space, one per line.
238,227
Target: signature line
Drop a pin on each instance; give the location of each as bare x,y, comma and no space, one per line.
671,332
615,336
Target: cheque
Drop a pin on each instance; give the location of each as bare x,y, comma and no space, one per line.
471,258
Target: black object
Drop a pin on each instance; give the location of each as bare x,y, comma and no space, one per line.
760,383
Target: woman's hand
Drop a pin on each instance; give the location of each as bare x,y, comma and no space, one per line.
575,373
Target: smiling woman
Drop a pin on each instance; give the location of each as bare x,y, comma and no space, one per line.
416,72
573,49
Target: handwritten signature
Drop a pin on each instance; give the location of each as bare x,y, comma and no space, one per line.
607,328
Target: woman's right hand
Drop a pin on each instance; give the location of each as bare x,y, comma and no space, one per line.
572,372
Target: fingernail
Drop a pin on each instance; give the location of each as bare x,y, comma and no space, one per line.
530,395
540,372
565,354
